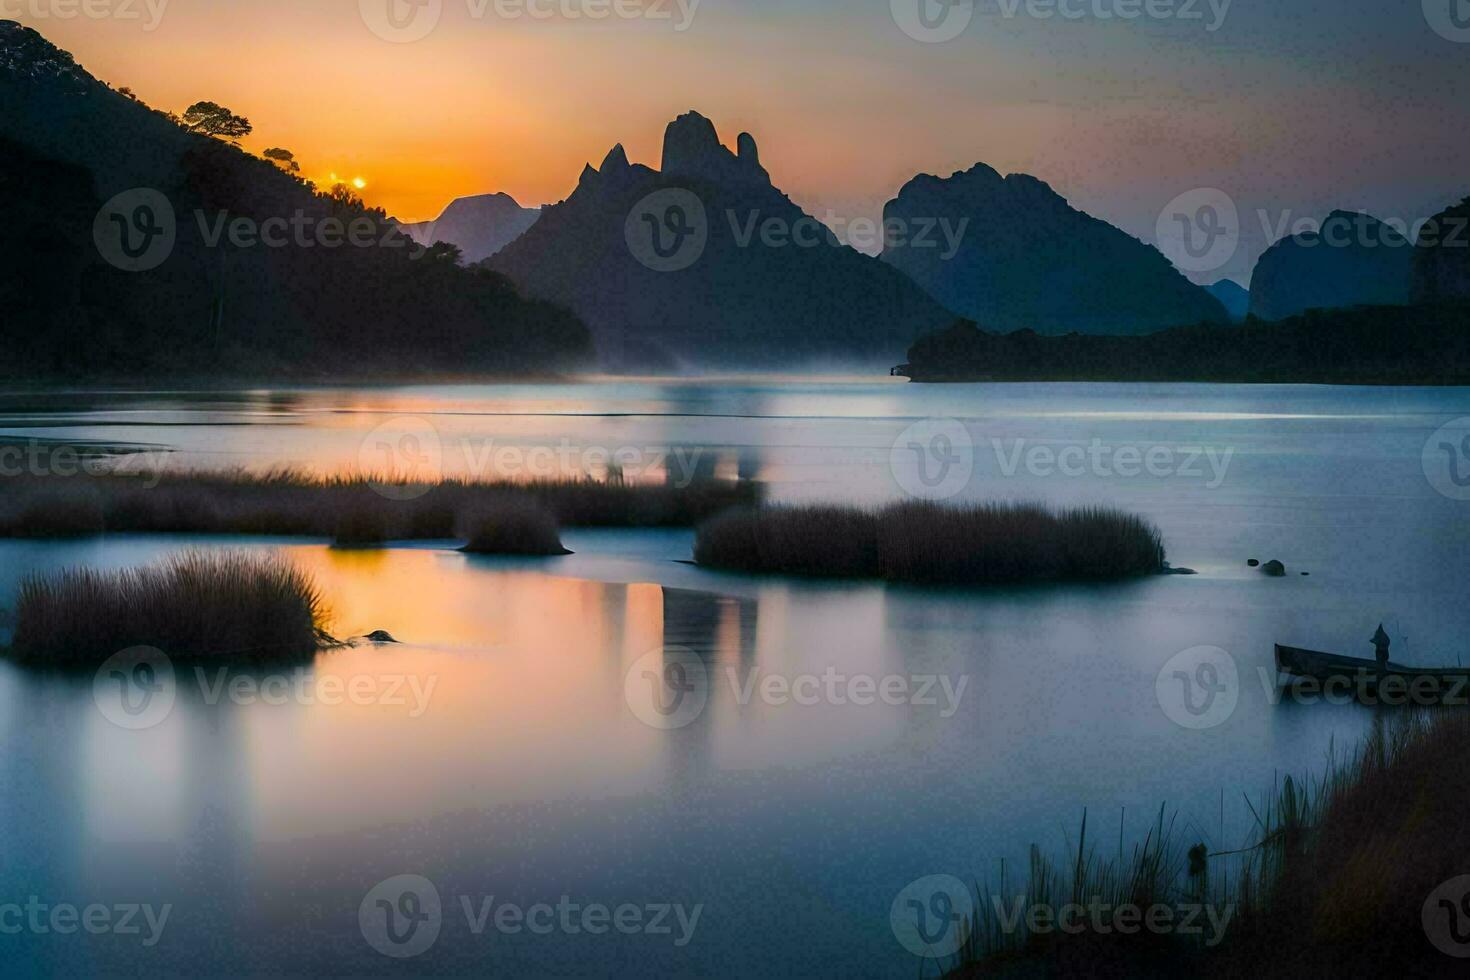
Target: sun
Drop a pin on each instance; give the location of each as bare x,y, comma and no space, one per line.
356,182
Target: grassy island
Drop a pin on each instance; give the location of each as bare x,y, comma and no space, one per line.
236,608
355,511
932,543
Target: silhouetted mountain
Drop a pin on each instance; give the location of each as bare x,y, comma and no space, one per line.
1352,260
1392,345
718,269
1233,296
1442,258
1026,259
207,293
478,226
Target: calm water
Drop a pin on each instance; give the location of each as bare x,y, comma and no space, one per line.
503,749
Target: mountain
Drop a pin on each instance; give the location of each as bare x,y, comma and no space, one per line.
479,226
1353,259
1026,259
137,248
704,263
1233,296
1442,258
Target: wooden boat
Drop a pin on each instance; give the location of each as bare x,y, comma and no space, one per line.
1431,684
1324,666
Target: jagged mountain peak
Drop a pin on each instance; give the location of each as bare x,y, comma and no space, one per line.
616,159
692,148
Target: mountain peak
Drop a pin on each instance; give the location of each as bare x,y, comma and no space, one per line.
692,148
616,159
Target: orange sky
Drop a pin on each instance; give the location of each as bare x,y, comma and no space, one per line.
1118,117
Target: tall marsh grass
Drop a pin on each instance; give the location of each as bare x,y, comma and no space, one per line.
1332,879
354,510
932,543
235,607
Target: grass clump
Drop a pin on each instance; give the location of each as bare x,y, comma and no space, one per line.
512,526
232,607
931,543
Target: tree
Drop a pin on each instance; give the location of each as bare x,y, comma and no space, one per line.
285,159
212,119
128,93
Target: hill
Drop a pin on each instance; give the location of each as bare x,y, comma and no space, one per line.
1029,260
144,249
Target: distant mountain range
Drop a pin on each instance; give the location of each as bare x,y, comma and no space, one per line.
1028,260
704,262
478,226
133,262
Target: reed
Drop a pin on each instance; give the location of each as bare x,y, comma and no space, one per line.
512,526
932,543
234,607
1335,875
358,509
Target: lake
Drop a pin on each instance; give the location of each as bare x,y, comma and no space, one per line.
835,741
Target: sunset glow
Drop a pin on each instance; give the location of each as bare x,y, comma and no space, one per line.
485,104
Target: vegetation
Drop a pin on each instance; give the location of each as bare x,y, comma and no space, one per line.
931,543
1428,344
1335,877
212,119
338,293
354,511
283,158
511,525
237,607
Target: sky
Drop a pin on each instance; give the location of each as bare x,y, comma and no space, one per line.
1290,108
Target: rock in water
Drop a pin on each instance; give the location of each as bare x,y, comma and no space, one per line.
1274,569
1254,563
380,636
